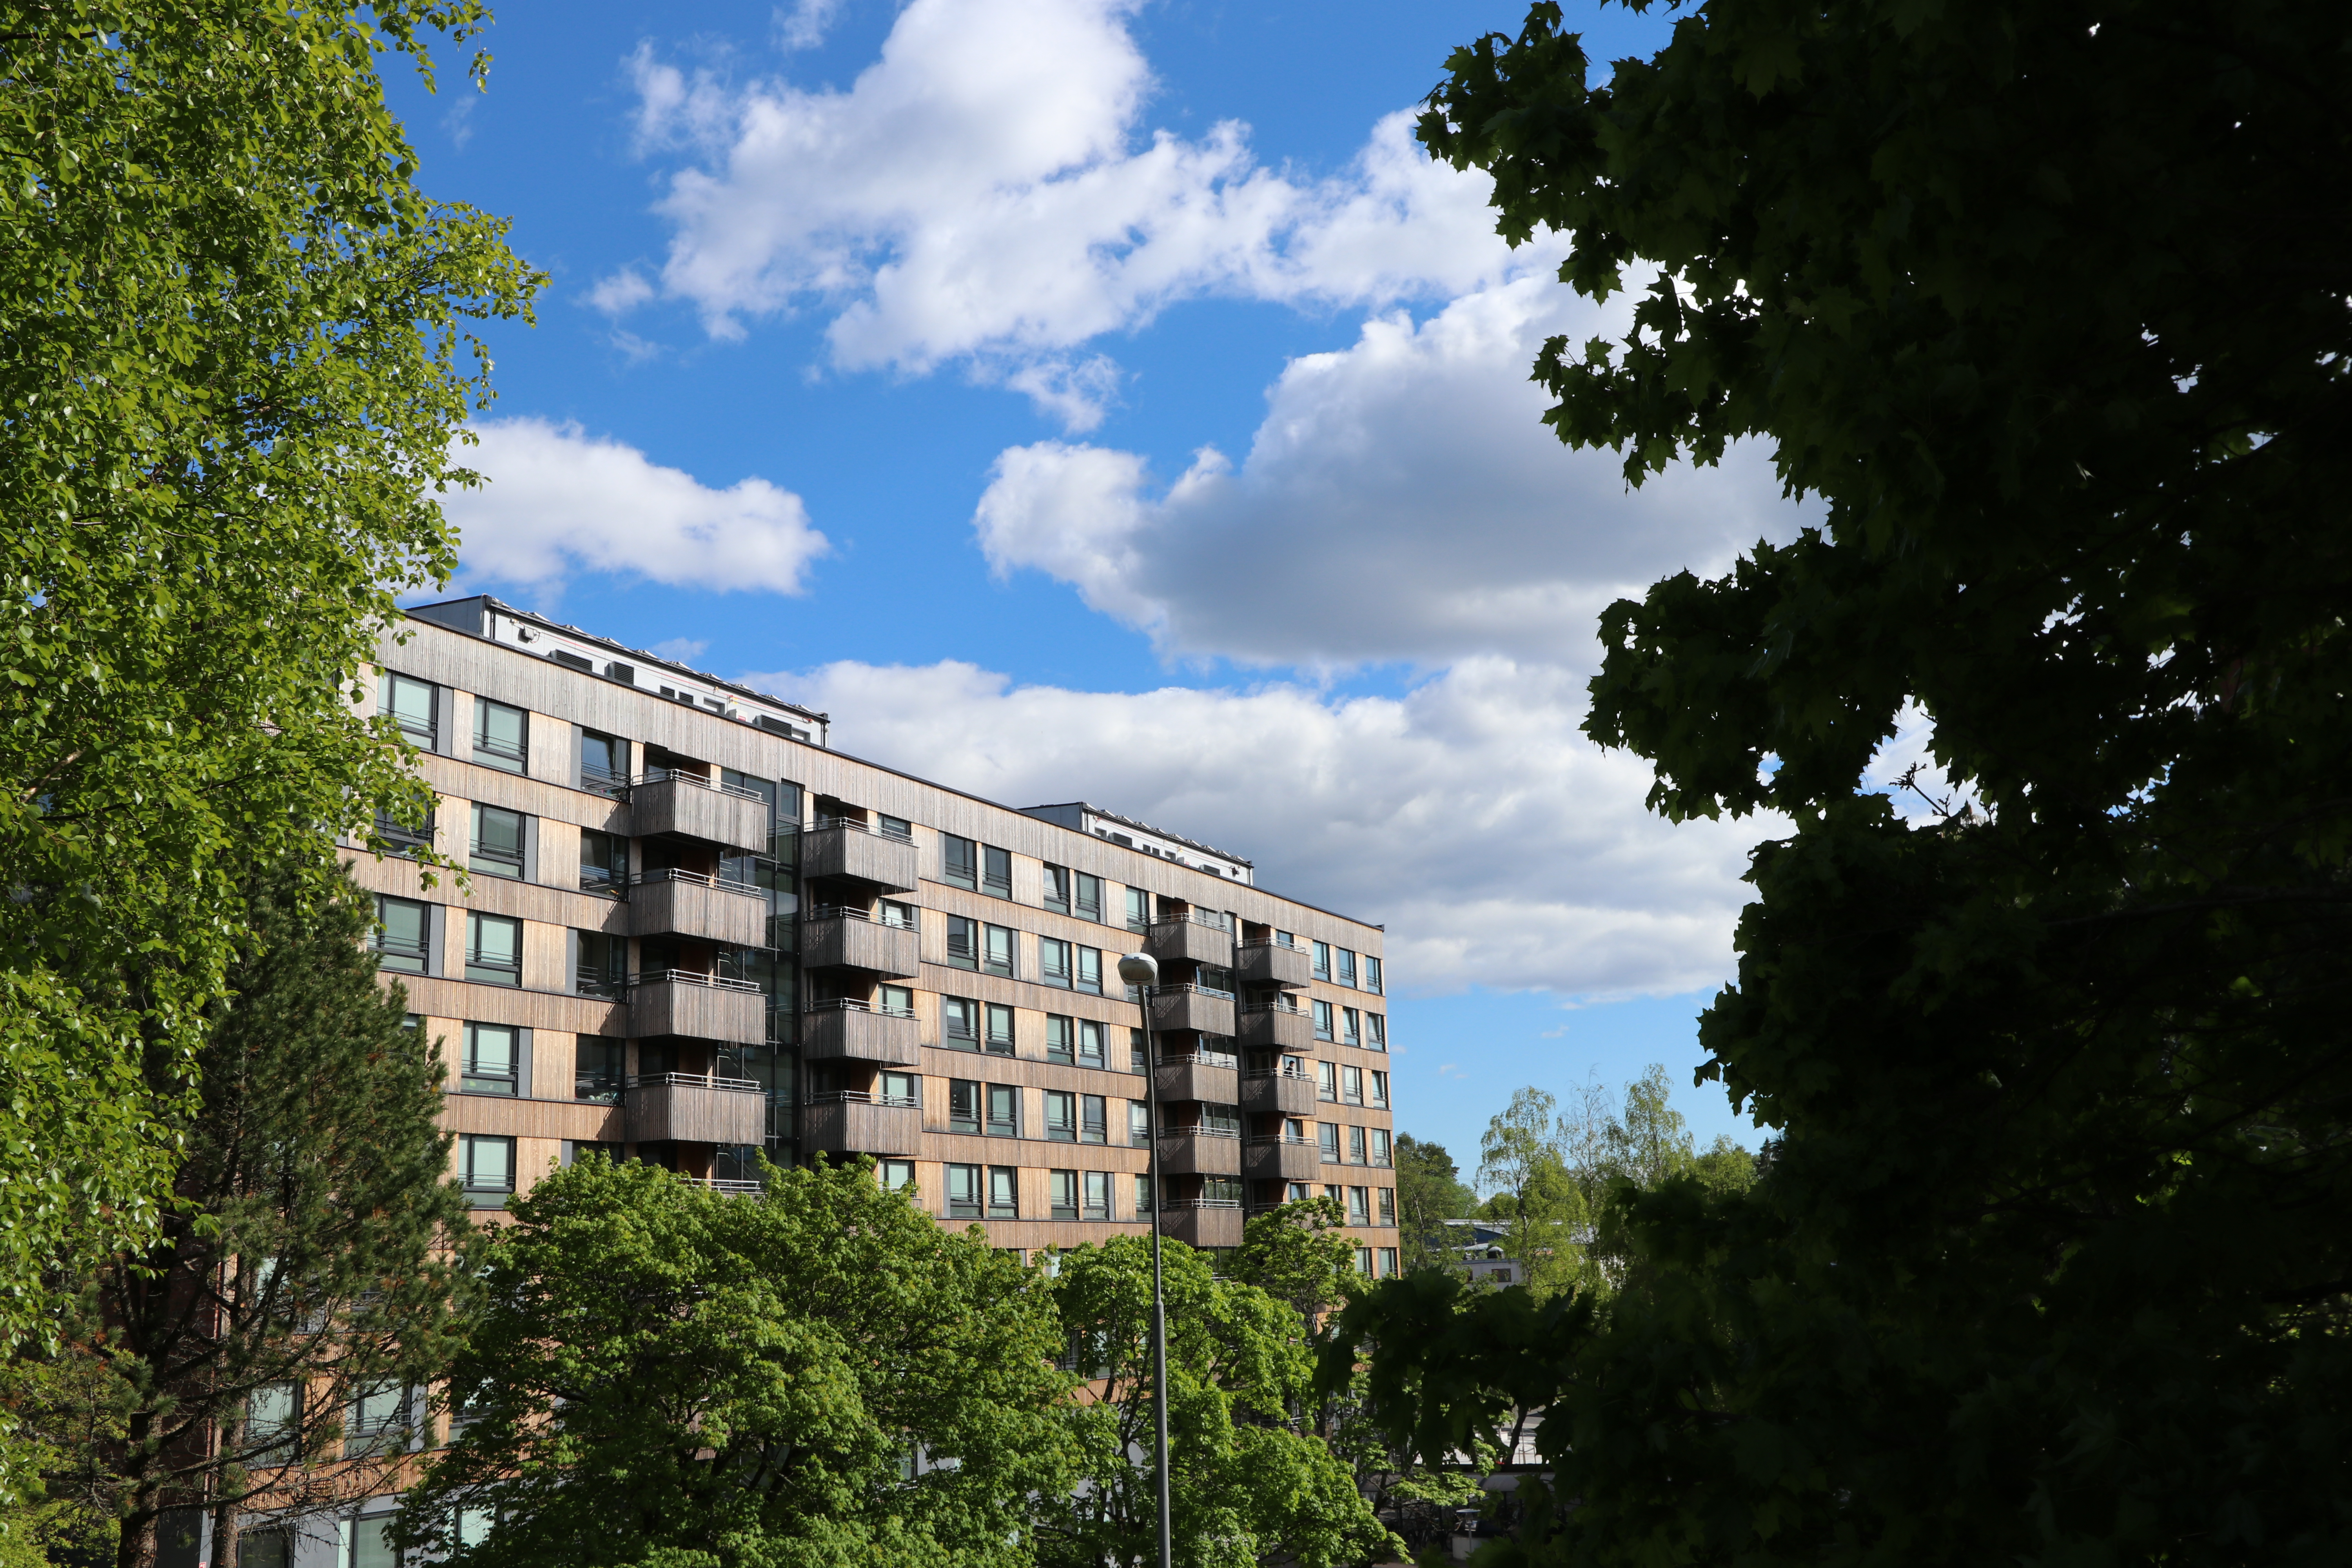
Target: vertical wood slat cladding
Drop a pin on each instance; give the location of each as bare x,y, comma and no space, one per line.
850,1126
894,952
1194,1010
681,908
441,998
1270,1161
1169,940
695,1113
1275,1027
661,1007
1268,963
1191,1154
583,1121
844,1034
889,864
698,811
1276,1094
1194,1080
1203,1227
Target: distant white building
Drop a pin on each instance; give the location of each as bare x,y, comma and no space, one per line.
1479,1244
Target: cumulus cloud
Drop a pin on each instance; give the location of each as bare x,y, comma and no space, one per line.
1498,846
560,501
1401,501
987,188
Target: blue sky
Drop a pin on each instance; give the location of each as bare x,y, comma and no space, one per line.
1090,399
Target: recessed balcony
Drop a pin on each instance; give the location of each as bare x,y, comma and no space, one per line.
841,847
692,807
1271,964
853,1122
1215,1079
1283,1159
694,904
1192,1007
1202,1222
1199,1151
854,1031
695,1107
1271,1090
1196,937
1285,1028
702,1006
835,938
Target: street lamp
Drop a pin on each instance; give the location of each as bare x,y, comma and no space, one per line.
1142,972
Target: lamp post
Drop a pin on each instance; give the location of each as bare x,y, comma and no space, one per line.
1142,972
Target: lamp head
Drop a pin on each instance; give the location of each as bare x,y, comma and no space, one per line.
1140,969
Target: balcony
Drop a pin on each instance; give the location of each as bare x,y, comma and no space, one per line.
693,807
695,1107
1292,1094
850,939
838,846
1192,1007
1212,1078
1202,1222
1200,1151
1271,964
703,1006
1283,1159
1197,937
690,903
1271,1024
853,1122
852,1031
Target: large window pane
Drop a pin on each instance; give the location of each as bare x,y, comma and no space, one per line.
603,863
996,873
410,702
494,949
492,1053
498,842
402,929
501,735
596,1070
958,861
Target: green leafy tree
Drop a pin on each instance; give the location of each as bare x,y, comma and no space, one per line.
2043,305
659,1374
232,355
1521,1158
1430,1191
306,1269
1247,1481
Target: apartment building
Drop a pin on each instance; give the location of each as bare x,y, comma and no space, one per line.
693,932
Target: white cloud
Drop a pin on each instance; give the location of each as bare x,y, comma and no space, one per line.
1401,501
803,27
560,501
987,188
1499,848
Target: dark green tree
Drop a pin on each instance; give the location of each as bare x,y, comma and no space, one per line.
1430,1191
2045,305
305,1270
659,1374
234,359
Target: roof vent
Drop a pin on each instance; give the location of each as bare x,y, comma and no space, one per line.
571,660
621,672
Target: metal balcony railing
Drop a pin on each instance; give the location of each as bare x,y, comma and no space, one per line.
1280,1006
691,977
1198,990
1294,1140
698,1081
860,1096
856,825
597,781
604,987
1208,918
1181,1204
1295,1073
679,775
699,878
849,1005
1199,1059
1202,1132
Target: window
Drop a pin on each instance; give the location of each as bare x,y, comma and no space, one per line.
1225,1190
1322,1020
596,1070
1139,1123
1224,1118
496,842
1356,1146
603,763
958,862
963,943
1094,1118
1089,971
1388,1205
1364,1261
1381,1154
1004,1192
1090,1044
1139,911
1376,1032
1327,1081
259,1547
494,949
376,1421
1296,1193
1352,1027
1359,1206
365,1543
963,1105
1097,1195
996,950
1327,1135
1055,888
896,828
1062,1120
603,863
1142,1195
404,839
1061,1035
999,1029
1388,1262
1053,963
1322,961
411,704
1062,1194
1351,1086
902,1089
897,1001
900,917
959,1023
996,871
1380,1088
273,1419
963,1192
1004,1111
604,966
1345,971
1371,975
492,1051
1135,1052
490,1168
1086,897
402,932
501,736
897,1176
